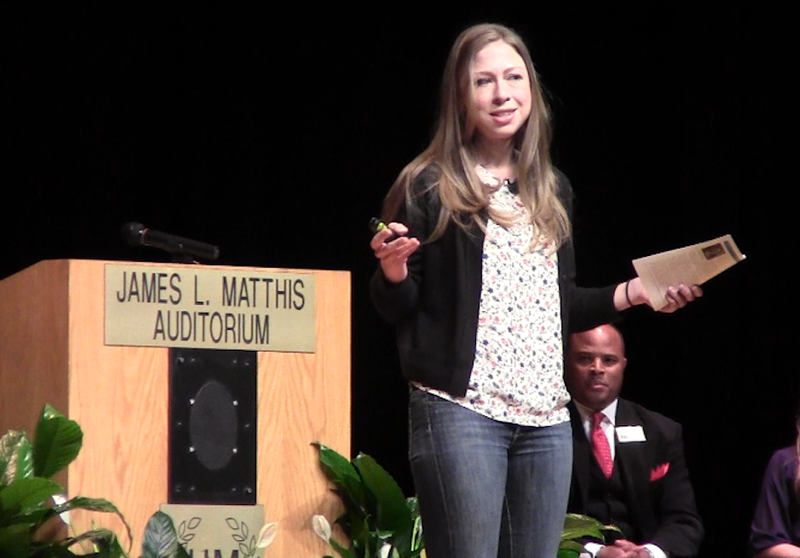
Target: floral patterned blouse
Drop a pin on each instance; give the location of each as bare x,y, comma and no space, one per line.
517,375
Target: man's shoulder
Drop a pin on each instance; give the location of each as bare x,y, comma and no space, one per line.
648,416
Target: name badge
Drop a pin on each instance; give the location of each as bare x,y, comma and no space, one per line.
627,434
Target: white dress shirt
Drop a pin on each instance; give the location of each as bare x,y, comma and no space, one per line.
608,425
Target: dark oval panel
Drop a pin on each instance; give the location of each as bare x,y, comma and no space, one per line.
212,426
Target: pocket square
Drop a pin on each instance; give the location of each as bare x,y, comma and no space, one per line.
659,471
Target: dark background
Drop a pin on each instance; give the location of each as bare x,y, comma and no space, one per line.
275,135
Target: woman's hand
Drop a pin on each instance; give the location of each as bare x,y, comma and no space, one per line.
632,293
680,296
393,255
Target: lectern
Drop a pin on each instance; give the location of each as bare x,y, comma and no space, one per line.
56,347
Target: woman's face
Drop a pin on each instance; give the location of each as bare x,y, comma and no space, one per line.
500,98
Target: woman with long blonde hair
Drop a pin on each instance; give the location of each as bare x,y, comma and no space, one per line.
477,273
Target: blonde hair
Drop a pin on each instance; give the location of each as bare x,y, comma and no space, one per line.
451,151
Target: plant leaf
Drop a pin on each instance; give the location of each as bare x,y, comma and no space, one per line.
391,509
340,470
343,552
16,457
577,526
417,538
355,524
104,541
57,443
15,540
93,504
571,545
25,495
349,486
160,538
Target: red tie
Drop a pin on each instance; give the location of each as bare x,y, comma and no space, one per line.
602,452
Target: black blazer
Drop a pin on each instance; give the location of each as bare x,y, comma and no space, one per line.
654,476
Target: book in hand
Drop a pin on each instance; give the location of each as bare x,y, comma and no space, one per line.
690,265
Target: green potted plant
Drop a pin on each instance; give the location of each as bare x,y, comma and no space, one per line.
576,529
380,522
378,519
31,508
29,513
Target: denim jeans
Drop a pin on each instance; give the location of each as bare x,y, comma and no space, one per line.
487,488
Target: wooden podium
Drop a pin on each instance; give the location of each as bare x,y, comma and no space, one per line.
53,350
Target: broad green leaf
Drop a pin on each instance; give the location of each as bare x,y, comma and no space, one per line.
376,511
160,537
355,524
49,412
16,457
23,495
26,489
57,443
577,526
15,541
352,492
392,510
576,533
338,468
574,519
346,479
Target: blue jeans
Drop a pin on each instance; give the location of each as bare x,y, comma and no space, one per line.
487,488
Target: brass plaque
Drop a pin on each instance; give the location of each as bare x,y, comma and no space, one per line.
218,530
209,308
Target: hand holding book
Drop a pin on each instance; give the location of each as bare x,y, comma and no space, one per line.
690,265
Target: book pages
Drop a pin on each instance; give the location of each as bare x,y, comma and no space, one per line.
690,265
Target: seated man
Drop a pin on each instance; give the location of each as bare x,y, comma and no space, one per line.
628,468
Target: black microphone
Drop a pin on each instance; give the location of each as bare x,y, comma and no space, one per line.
137,234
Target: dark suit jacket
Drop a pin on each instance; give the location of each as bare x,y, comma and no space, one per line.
663,509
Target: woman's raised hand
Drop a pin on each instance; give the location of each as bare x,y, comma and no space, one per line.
393,248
